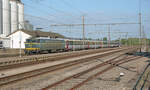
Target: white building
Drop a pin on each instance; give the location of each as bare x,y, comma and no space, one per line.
5,42
22,35
16,37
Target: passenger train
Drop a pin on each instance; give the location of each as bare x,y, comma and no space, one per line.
39,45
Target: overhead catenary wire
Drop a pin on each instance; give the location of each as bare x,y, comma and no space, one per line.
84,13
38,17
70,5
94,24
31,7
60,11
47,13
81,12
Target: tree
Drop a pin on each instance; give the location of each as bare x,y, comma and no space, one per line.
105,39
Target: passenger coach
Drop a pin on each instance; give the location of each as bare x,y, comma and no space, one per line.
39,45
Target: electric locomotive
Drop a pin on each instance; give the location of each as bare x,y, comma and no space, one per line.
39,45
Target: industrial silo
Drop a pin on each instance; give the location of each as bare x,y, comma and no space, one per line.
6,17
21,15
1,18
14,15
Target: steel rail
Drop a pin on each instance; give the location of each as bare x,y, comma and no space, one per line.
114,64
140,78
81,73
52,68
28,62
84,72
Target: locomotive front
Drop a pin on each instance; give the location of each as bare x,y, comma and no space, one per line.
32,46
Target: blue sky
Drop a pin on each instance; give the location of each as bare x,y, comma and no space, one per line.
43,13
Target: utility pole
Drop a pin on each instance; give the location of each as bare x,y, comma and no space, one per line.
140,25
127,39
144,41
20,54
51,30
140,30
120,40
20,50
83,31
109,35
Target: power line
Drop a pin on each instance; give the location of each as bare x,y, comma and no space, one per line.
59,11
82,13
36,18
31,15
68,4
31,7
93,24
46,12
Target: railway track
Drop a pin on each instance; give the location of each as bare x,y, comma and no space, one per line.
143,82
39,60
22,76
80,79
7,55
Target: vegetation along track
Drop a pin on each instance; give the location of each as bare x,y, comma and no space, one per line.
39,60
22,76
82,79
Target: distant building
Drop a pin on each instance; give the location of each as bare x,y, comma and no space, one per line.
27,25
22,35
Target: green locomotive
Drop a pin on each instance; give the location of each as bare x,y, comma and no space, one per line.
38,45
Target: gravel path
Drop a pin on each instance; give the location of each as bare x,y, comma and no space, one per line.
43,65
44,55
108,81
42,81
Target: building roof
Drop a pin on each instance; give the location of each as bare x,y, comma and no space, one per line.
39,33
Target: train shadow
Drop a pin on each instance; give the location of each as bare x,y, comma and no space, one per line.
148,61
142,54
